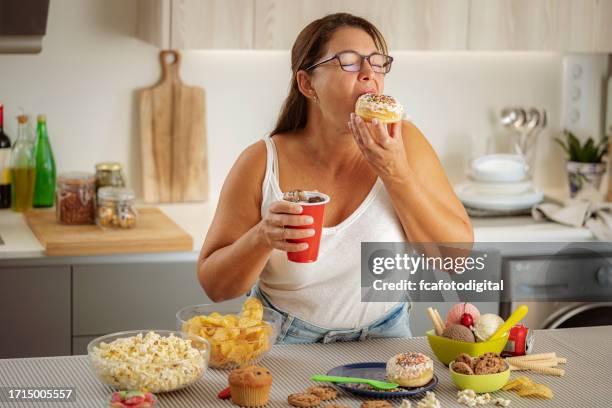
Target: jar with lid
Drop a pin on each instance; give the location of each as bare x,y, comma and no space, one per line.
109,174
75,198
116,208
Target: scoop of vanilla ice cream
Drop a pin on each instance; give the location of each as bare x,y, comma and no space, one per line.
486,325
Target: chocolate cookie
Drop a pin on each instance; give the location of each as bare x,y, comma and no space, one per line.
464,358
303,400
489,364
376,404
462,368
324,392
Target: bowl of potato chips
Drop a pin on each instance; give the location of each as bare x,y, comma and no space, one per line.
237,334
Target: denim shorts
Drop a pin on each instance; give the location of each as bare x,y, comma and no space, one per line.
395,323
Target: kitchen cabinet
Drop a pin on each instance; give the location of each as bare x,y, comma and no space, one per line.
115,297
503,25
410,25
35,311
540,25
196,24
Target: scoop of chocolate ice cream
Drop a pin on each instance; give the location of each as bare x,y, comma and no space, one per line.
459,332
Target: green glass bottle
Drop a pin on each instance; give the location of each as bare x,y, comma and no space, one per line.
44,188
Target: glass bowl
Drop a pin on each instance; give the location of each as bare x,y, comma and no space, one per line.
233,342
149,360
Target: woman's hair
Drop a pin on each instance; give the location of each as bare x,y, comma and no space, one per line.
306,50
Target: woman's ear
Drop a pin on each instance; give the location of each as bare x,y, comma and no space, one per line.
304,83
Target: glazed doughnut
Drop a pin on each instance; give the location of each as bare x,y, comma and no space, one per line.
410,369
382,107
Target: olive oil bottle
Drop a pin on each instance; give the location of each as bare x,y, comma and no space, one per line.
22,168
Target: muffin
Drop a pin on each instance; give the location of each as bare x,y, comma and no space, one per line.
250,386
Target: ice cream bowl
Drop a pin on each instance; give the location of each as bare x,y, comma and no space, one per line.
446,350
480,383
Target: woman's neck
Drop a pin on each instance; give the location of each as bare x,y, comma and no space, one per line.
333,147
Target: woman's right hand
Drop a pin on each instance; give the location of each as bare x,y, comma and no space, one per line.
273,229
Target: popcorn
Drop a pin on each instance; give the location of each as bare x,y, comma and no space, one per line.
429,401
471,399
151,362
405,404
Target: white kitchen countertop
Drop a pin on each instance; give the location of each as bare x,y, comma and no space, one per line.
195,218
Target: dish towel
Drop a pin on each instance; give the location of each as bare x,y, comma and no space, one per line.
587,210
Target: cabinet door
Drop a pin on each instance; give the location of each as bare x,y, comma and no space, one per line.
196,24
34,311
514,25
586,25
547,25
200,24
116,297
406,24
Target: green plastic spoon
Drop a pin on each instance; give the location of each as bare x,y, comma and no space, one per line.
379,385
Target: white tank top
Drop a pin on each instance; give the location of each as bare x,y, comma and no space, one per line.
327,293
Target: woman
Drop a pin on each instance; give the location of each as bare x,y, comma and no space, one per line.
385,183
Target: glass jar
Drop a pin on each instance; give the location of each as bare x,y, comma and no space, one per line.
109,174
75,198
116,208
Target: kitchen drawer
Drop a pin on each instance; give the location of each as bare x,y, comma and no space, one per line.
79,344
115,297
35,311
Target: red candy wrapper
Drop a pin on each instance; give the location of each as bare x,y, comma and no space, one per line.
520,341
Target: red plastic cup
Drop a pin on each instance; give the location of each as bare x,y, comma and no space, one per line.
315,210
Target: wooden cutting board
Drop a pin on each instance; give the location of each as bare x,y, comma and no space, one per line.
173,137
155,232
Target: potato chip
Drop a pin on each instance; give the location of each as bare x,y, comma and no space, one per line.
252,308
537,391
517,383
234,339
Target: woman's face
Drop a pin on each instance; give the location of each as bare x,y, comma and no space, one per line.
338,90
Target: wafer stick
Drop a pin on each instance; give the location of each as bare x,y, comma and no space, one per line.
434,319
531,357
561,360
540,363
440,319
559,372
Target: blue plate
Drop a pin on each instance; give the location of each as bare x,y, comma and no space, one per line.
375,371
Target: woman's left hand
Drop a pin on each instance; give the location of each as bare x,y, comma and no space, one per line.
382,146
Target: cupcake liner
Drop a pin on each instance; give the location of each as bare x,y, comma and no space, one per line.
246,396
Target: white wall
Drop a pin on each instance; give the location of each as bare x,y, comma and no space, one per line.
86,78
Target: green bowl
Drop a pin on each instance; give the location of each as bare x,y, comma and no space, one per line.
447,349
482,382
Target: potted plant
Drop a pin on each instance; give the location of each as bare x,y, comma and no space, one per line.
585,161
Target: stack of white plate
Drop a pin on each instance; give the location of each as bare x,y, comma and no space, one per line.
499,182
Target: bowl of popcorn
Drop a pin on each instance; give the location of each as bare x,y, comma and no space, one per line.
237,335
151,360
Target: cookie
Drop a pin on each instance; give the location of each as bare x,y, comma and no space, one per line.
303,400
334,405
464,358
376,404
324,392
489,364
462,368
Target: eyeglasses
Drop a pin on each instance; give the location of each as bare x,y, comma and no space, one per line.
352,61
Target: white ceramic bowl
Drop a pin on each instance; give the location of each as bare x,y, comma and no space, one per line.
500,168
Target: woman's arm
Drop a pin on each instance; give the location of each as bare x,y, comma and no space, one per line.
239,242
233,255
424,200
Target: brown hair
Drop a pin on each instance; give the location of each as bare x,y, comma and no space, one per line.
306,50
